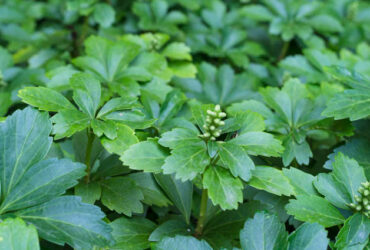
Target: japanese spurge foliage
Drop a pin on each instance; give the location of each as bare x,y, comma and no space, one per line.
185,124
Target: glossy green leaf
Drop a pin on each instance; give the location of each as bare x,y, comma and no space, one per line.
313,209
182,243
104,14
302,182
178,137
264,231
354,233
309,237
170,228
16,234
122,195
89,192
45,99
125,138
67,220
223,188
131,233
69,122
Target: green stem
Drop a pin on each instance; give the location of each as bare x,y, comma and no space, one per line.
202,213
90,141
284,50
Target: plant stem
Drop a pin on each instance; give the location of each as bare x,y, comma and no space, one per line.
202,213
284,50
90,140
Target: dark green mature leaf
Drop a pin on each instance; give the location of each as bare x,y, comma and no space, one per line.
131,233
313,209
104,14
147,156
182,243
235,158
45,99
186,161
340,186
118,103
42,182
171,106
67,220
302,182
354,233
15,234
108,128
151,191
223,188
180,193
24,141
271,180
264,231
309,237
170,228
122,195
178,137
89,192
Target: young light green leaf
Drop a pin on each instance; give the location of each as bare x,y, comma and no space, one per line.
45,99
177,51
223,188
131,233
108,128
264,231
309,237
104,14
125,138
146,155
118,103
178,137
69,122
67,220
271,180
16,234
313,209
122,195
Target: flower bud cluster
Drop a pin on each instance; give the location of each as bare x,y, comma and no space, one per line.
363,200
213,123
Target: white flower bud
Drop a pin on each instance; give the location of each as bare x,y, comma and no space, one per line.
357,198
221,123
358,208
217,108
211,113
366,192
206,135
217,121
212,128
213,138
216,134
222,114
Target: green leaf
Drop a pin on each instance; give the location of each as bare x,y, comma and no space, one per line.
257,12
125,138
313,209
340,186
187,161
249,105
182,243
134,118
151,191
41,182
170,228
131,233
302,182
24,141
259,143
180,193
107,60
67,220
354,233
293,150
44,99
122,195
351,103
86,92
15,234
108,128
178,137
234,157
326,23
309,237
171,106
271,180
223,188
104,14
118,103
69,122
177,51
264,231
89,192
147,156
